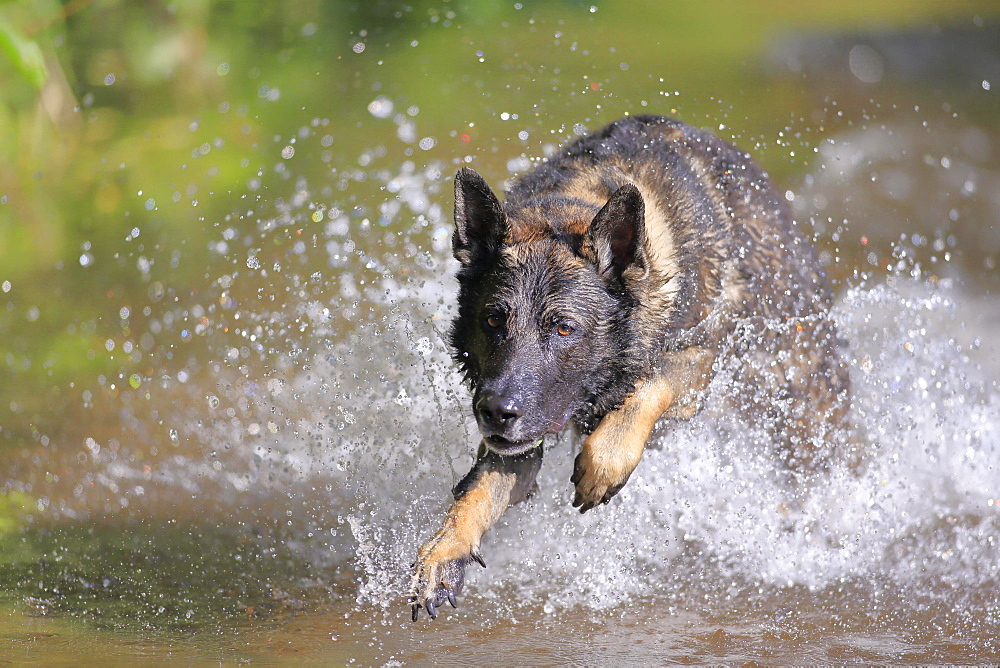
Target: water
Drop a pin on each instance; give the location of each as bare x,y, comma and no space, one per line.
328,429
284,431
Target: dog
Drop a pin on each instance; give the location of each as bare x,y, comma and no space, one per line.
603,294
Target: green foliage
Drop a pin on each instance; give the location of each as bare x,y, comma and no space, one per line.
14,509
24,55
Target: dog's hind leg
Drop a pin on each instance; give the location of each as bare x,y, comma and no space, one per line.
613,450
494,484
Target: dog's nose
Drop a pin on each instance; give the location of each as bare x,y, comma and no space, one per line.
497,411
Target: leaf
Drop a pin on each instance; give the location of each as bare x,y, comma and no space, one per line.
24,54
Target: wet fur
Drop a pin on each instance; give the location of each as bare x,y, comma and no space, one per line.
661,249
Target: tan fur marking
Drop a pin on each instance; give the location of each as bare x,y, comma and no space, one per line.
467,520
613,450
585,187
532,225
659,238
525,234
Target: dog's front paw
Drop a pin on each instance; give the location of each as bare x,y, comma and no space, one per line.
439,572
599,474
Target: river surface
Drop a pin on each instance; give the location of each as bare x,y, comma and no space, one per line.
285,425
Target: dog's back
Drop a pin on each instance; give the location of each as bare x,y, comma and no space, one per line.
707,205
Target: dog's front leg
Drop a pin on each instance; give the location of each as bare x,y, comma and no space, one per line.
613,450
494,484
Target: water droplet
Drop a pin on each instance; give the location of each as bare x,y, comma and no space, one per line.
865,63
381,107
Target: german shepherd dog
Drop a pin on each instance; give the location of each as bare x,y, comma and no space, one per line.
605,292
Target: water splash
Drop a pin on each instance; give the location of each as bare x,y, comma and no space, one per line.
710,505
329,388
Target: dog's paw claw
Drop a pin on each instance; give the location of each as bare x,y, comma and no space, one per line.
597,484
439,574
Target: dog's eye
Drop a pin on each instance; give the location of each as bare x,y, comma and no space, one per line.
493,321
564,329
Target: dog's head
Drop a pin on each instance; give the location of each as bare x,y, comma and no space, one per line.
547,289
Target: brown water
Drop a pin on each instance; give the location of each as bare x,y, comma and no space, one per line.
232,418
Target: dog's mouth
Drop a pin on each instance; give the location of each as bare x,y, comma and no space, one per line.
506,446
503,446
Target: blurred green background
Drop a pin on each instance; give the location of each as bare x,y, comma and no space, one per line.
129,130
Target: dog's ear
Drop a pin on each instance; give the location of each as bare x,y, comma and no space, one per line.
480,223
617,235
